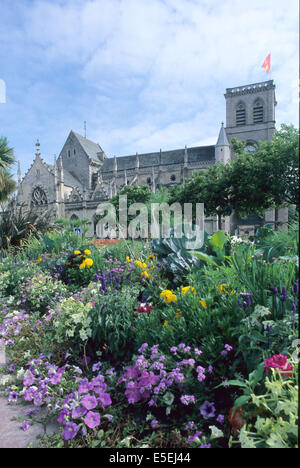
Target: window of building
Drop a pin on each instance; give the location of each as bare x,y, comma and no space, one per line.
69,153
173,177
38,197
149,180
241,115
74,151
258,112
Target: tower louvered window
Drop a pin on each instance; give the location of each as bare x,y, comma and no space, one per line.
241,115
258,113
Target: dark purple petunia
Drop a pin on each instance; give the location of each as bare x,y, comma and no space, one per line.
207,410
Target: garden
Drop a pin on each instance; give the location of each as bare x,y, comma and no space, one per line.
146,344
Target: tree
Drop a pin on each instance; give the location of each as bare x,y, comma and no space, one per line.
267,178
210,187
7,184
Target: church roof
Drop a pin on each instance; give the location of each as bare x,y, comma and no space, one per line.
89,146
222,140
195,155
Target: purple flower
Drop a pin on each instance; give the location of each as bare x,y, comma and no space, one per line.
70,431
143,347
220,418
96,366
192,438
205,446
92,419
104,399
78,412
207,410
28,380
210,369
187,399
224,353
228,347
25,425
89,402
63,415
154,423
273,289
13,397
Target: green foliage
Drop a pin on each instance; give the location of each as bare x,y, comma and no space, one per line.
12,275
274,422
42,291
113,322
260,336
16,225
172,258
257,275
73,324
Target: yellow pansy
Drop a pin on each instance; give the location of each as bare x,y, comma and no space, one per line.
188,288
146,274
141,265
77,252
128,259
203,303
88,262
168,296
87,252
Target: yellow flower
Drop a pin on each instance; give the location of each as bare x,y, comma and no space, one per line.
87,252
166,324
39,260
188,288
151,257
222,288
168,296
146,274
178,315
128,259
77,252
203,303
88,262
141,265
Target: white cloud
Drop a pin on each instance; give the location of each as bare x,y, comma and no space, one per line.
154,71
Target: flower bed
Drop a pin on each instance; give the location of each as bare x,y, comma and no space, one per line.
123,354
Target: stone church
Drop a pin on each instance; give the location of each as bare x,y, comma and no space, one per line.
83,175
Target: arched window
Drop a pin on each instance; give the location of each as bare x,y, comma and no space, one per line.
39,197
240,114
74,217
258,112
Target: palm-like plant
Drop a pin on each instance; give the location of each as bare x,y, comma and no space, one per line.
6,154
7,184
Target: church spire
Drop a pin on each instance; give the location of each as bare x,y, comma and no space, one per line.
222,148
222,140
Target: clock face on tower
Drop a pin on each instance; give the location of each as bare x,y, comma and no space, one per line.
250,148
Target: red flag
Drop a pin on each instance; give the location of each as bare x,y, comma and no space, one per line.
267,63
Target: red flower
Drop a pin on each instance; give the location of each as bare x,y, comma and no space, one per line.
144,308
237,420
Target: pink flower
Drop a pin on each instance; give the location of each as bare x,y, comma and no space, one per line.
92,303
279,361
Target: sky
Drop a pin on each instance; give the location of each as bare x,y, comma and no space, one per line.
145,75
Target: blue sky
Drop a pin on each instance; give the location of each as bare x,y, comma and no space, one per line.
143,74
